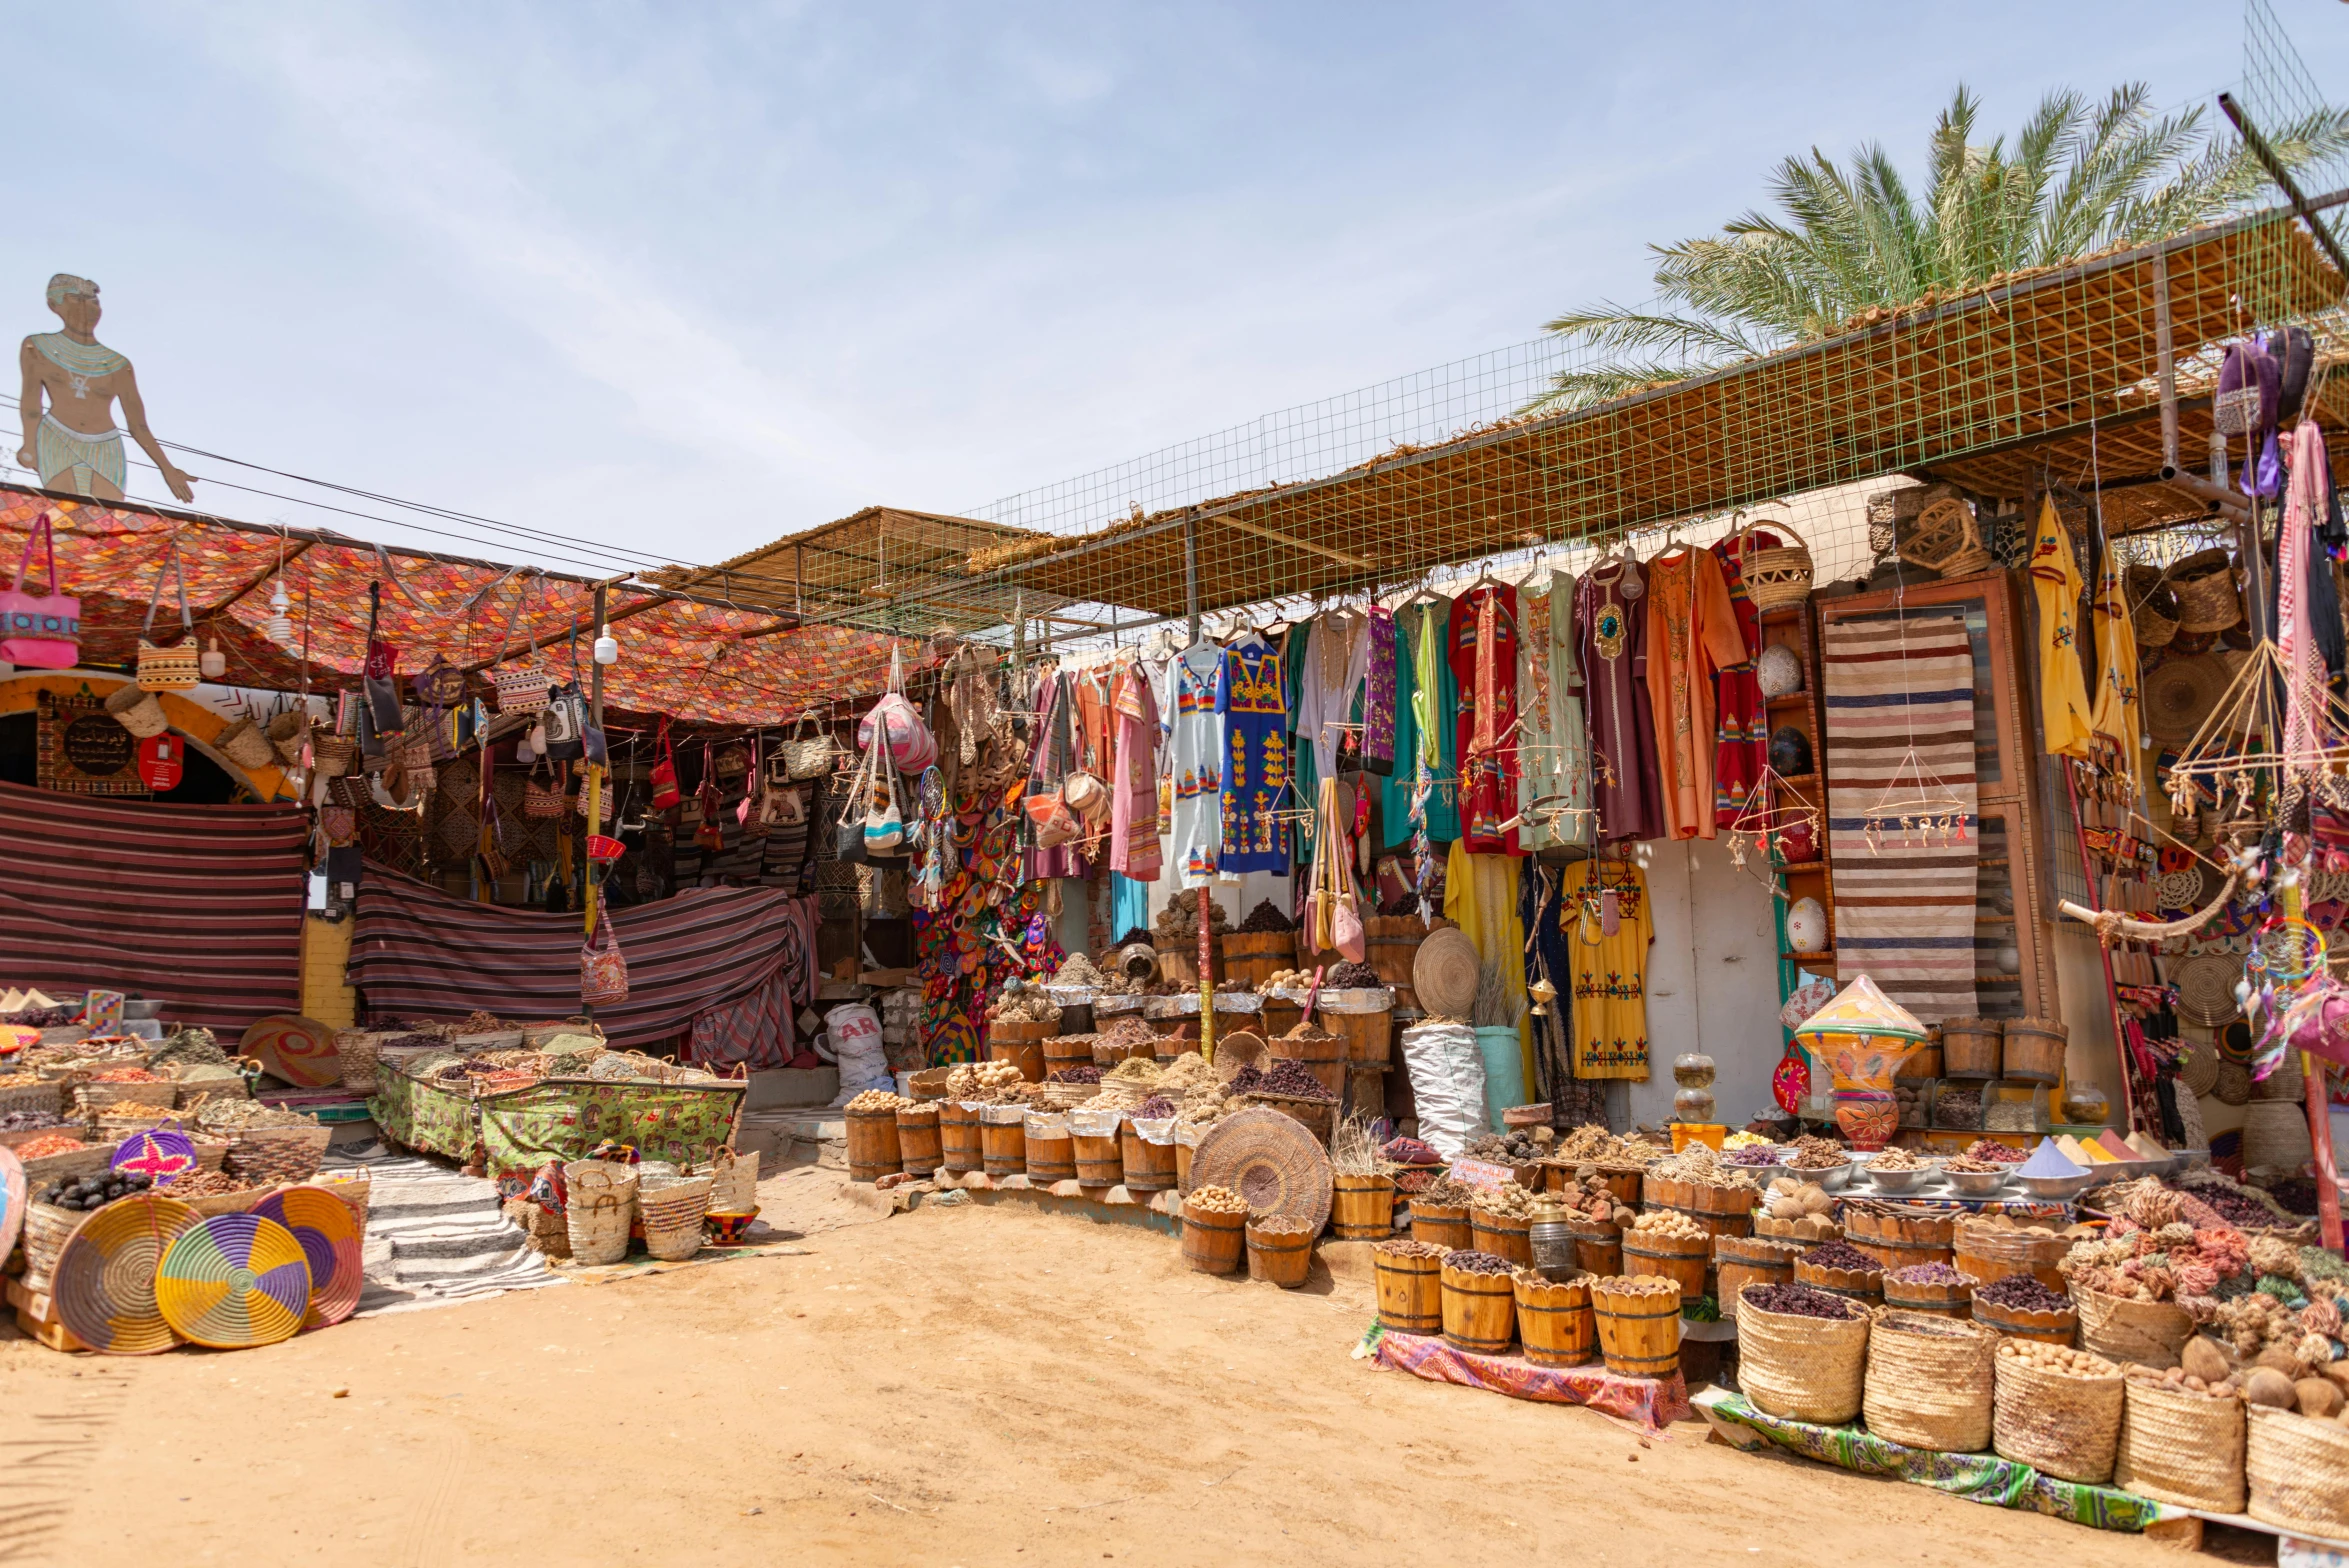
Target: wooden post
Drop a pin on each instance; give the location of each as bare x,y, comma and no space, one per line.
595,772
2165,362
1206,976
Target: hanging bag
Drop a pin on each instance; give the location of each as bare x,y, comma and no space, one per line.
665,794
806,756
177,667
547,800
520,688
856,799
379,680
603,971
439,684
884,823
40,631
710,834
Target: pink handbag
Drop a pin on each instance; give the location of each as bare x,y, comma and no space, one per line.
603,972
40,631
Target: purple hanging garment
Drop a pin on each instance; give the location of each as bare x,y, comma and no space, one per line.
1378,699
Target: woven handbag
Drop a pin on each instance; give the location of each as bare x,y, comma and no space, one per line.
40,631
545,801
603,971
439,684
176,668
1777,577
135,709
807,757
519,689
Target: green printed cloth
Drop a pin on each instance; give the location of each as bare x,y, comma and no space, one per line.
427,1117
1979,1478
565,1118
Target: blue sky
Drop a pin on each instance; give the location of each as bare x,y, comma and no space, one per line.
683,278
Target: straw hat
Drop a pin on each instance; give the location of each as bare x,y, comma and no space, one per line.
2181,693
1445,972
1269,1159
2206,989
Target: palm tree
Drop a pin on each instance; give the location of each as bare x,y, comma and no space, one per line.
2081,178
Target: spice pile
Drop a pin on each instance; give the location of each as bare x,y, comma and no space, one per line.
1026,1005
878,1100
983,1083
1157,1108
1638,1285
1589,1199
1842,1255
2060,1359
1967,1165
93,1192
207,1184
1594,1145
1265,917
1753,1155
2022,1293
1701,1165
48,1144
1179,920
1470,1261
1351,976
27,1121
225,1115
1409,1249
1216,1200
1792,1200
1510,1199
1410,1151
1081,1073
1668,1223
1802,1301
190,1046
1443,1193
1896,1160
1808,1153
1293,1079
1958,1108
1996,1153
1927,1274
1077,970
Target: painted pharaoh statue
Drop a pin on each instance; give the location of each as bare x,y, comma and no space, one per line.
71,381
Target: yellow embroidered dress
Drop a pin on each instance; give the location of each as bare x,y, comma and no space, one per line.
1610,1000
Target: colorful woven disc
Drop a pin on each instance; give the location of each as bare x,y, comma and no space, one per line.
299,1050
104,1282
161,1153
14,1196
233,1281
329,1234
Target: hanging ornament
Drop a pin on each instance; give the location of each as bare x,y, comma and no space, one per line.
279,627
524,751
212,663
607,649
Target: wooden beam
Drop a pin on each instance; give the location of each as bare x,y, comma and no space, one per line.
1277,537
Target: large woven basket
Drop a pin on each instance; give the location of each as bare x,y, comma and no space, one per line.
1270,1160
47,1097
135,709
73,1164
672,1215
1777,577
2298,1468
92,1099
46,1230
734,1182
2207,600
600,1202
277,1154
2275,1136
355,1050
2150,1333
2154,607
1801,1368
2181,1447
1930,1381
227,1202
2067,1427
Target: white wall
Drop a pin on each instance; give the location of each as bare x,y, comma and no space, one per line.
1712,981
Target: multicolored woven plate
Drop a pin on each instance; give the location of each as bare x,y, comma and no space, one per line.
234,1281
160,1153
299,1050
329,1234
104,1282
14,1197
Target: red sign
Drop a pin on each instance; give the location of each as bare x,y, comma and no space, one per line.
161,758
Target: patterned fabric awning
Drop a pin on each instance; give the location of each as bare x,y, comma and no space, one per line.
694,661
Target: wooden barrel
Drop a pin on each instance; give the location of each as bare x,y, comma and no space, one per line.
1554,1321
1099,1163
872,1145
1149,1167
1480,1311
1946,1301
1622,1182
1018,1031
1178,960
918,1143
1282,1257
1992,1252
1639,1333
1003,1148
2053,1328
1026,1055
1063,1051
1183,1155
1393,946
1324,1054
1718,1211
1865,1286
1254,957
1410,1292
1503,1235
1362,1208
1675,1258
1971,1047
1598,1246
1442,1225
959,1150
1364,1019
2034,1050
1051,1156
1899,1238
1211,1242
1281,1015
1739,1261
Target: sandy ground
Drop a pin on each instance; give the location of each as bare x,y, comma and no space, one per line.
958,1385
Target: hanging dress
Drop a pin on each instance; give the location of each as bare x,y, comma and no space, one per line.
1483,656
1435,714
1053,751
1610,638
1133,806
1568,730
1396,789
2065,719
1254,708
1195,763
1691,633
1610,994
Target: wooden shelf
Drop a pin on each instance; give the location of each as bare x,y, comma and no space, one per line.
1824,960
1807,868
1793,699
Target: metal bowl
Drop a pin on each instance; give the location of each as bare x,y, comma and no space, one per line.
1976,1184
1832,1179
1901,1183
2062,1188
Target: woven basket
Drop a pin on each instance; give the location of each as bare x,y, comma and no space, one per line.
2298,1468
91,1100
2207,600
1930,1381
2068,1427
46,1230
2154,616
2198,1069
73,1163
734,1182
1315,1116
2150,1333
600,1203
2275,1136
1777,577
227,1202
1802,1368
135,709
277,1154
2181,1447
176,668
47,1097
334,755
355,1050
246,744
2287,1083
354,1186
672,1214
2231,1083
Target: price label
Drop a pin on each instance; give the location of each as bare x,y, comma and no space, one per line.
1483,1173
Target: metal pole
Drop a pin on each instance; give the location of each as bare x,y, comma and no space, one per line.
1206,895
1191,569
2301,206
595,771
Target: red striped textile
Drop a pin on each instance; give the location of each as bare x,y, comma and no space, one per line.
199,906
418,953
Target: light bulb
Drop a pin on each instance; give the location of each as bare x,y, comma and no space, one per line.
279,629
607,649
212,662
524,751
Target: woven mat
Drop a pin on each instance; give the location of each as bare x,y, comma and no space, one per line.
1646,1404
1978,1478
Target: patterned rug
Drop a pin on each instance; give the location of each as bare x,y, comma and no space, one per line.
1900,734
